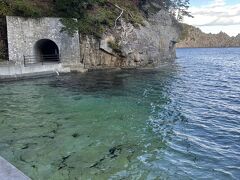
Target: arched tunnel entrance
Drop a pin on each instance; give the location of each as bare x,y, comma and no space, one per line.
46,51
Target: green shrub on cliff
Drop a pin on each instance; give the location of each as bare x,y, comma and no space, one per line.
4,8
114,45
23,8
26,8
93,16
178,8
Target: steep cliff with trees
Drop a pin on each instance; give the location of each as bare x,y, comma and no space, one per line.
113,32
192,37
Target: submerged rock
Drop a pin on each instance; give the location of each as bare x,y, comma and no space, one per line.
75,135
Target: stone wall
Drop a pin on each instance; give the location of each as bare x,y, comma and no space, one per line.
24,33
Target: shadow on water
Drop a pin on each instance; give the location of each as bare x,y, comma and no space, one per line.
111,81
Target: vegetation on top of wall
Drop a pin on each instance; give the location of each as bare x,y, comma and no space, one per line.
27,8
94,16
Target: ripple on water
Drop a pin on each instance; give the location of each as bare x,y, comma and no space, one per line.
177,122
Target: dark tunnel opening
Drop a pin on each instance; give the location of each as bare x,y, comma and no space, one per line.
47,50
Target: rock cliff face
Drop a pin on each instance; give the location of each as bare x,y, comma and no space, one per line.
193,37
127,46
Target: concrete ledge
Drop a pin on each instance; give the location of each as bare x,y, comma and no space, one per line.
15,72
9,172
11,71
27,76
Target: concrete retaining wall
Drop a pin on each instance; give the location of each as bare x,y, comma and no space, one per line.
24,33
15,71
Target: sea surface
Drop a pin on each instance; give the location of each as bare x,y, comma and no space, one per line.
180,121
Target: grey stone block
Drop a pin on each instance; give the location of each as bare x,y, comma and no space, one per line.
9,172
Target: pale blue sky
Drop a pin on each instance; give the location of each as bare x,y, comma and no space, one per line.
216,15
207,2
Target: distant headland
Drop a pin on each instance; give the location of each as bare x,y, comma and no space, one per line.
193,37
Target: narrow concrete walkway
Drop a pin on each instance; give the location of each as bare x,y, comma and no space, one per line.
9,172
30,70
12,71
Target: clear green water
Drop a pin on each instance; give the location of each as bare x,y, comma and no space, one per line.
178,122
65,127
